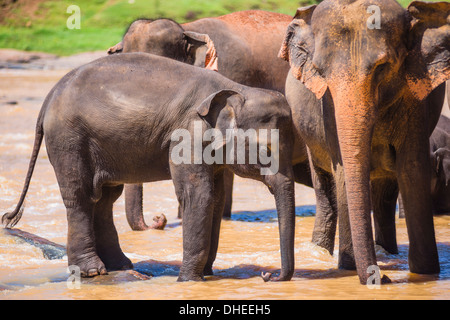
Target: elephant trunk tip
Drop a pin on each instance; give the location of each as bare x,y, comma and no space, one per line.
282,277
266,276
115,49
159,222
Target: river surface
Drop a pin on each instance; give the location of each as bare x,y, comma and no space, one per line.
249,242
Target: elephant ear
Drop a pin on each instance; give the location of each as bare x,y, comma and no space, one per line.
298,50
201,50
442,156
429,45
219,111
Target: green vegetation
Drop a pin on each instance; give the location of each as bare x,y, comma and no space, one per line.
41,25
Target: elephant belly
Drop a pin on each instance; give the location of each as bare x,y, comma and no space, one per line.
135,168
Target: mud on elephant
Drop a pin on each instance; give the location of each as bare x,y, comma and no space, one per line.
242,46
135,102
366,100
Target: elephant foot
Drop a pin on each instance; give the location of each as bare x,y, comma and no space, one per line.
268,277
89,267
324,243
184,278
208,271
346,262
389,248
123,264
384,280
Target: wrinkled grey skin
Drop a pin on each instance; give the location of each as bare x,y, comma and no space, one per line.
247,44
97,112
440,168
366,101
247,53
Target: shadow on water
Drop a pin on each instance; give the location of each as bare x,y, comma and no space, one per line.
242,271
245,271
270,215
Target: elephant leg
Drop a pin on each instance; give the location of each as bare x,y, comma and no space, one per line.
228,181
219,202
302,174
106,238
75,183
384,200
134,207
325,223
346,259
194,185
414,178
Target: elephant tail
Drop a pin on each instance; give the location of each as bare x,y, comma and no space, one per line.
10,219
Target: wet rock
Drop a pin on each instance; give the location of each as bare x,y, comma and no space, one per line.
50,250
115,277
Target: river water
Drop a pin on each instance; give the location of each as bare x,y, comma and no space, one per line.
249,242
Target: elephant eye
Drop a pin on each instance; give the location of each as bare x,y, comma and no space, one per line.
266,119
317,66
380,71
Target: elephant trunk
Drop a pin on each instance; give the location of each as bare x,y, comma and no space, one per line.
355,118
282,187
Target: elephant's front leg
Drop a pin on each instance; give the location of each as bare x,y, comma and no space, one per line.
219,203
194,187
325,223
414,178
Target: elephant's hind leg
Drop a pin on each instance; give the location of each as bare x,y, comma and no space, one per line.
106,238
75,183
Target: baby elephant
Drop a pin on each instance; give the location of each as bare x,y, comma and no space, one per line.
440,169
135,118
440,161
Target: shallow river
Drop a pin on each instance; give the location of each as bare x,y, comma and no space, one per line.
249,242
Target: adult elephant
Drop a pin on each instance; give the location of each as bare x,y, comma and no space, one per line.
143,103
366,91
242,46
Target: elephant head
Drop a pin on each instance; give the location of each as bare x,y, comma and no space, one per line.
442,160
367,67
242,117
165,37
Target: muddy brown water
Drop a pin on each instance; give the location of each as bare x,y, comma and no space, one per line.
249,242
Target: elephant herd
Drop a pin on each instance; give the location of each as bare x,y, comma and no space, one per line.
354,112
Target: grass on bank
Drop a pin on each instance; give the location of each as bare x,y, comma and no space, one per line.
103,22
